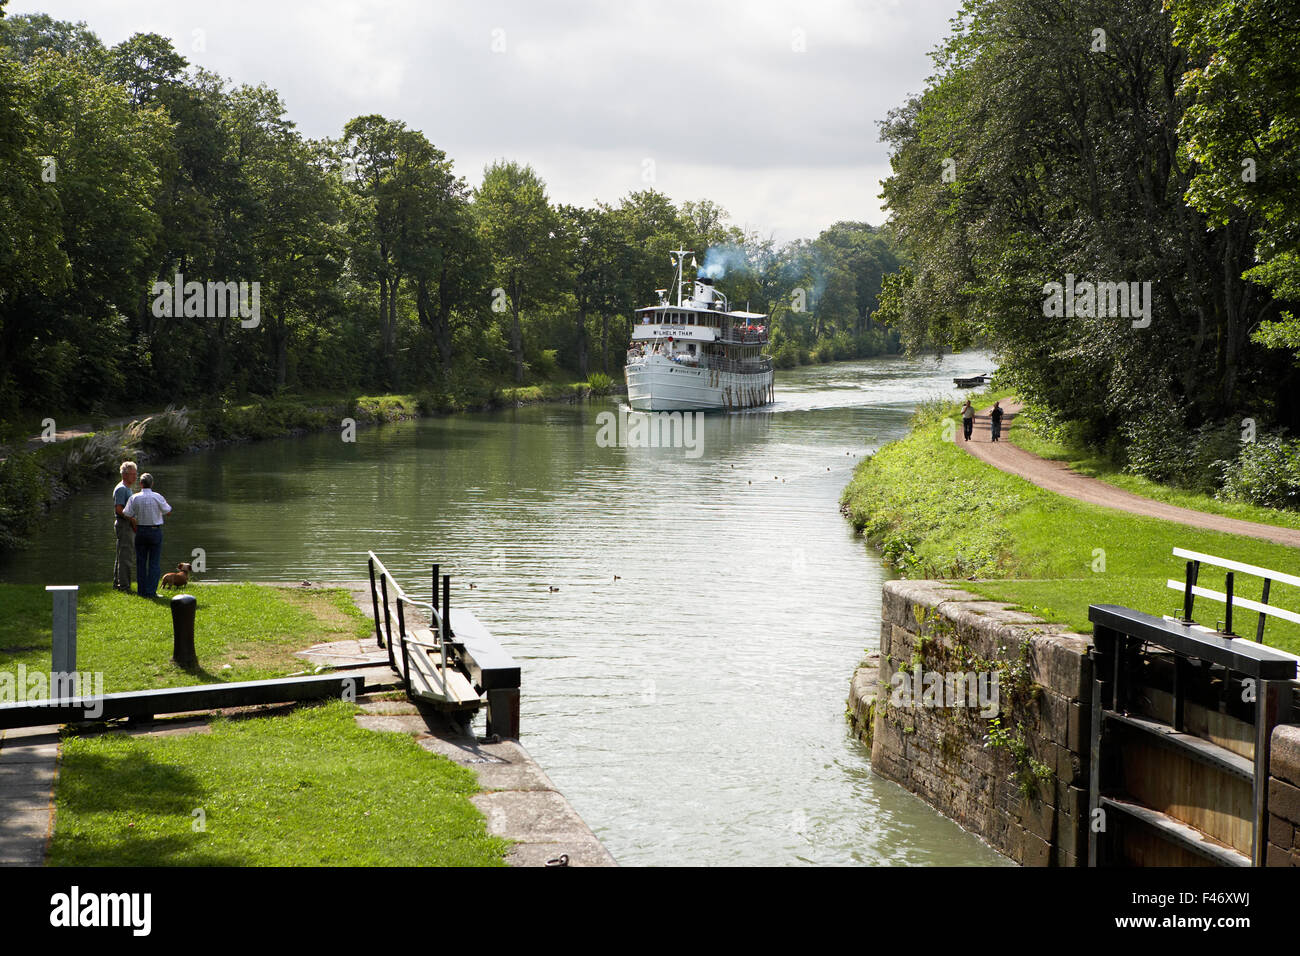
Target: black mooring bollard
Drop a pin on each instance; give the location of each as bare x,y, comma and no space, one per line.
184,607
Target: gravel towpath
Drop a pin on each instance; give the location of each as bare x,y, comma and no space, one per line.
1059,477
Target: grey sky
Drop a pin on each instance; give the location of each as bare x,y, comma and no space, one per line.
697,99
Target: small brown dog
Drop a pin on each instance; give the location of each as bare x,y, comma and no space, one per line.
178,578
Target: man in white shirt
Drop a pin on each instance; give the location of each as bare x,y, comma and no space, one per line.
147,508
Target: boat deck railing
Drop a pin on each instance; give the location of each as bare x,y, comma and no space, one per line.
712,362
742,337
721,364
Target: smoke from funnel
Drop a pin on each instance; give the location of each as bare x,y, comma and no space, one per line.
720,260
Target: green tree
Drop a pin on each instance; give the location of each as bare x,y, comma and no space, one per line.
63,319
30,33
290,223
1041,149
1242,131
518,227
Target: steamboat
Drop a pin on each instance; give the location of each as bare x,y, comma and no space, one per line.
697,354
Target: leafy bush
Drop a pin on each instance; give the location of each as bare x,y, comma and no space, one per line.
600,383
1266,472
1160,447
383,408
545,364
933,409
167,433
434,403
79,461
787,356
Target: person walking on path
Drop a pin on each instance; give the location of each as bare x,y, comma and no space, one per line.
967,419
995,416
147,507
124,528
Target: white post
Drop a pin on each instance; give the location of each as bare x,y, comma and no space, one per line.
64,662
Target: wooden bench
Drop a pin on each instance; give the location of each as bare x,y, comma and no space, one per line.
429,680
456,664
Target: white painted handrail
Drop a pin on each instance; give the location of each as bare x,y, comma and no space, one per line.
1237,602
1277,576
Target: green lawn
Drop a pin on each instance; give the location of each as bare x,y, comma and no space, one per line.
936,511
310,788
242,632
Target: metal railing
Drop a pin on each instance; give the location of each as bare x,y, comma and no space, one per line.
440,620
764,364
1191,590
735,336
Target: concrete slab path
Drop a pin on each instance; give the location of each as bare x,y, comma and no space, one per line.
29,766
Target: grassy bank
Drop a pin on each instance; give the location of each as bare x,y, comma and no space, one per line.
241,632
935,511
33,479
310,788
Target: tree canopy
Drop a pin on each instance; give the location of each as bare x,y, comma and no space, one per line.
1098,146
377,265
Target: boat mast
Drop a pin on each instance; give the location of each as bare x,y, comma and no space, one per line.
680,256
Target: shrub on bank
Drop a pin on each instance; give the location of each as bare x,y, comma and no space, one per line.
79,461
167,433
1265,472
1161,448
786,356
1211,460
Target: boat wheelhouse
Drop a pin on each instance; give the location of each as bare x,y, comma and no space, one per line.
698,354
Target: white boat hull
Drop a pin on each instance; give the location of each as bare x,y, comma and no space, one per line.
659,385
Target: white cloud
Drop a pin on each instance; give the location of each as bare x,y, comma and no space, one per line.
717,93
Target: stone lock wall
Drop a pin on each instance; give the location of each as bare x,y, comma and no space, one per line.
1284,797
1020,783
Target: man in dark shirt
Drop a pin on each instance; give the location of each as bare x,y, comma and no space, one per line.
124,528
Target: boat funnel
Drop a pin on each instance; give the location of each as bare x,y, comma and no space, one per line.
704,294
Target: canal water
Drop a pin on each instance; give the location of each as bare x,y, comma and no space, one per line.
685,685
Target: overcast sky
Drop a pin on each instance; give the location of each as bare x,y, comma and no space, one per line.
768,108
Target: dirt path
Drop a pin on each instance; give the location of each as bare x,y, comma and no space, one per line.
1059,477
69,431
